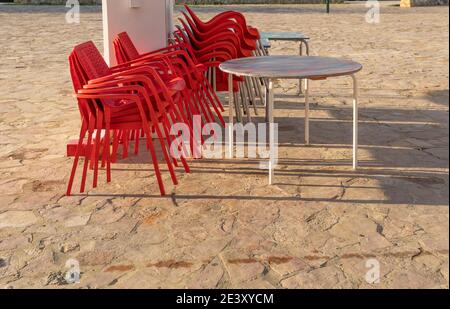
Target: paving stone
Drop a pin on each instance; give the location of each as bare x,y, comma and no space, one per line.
77,220
325,277
17,219
106,215
96,257
243,269
209,276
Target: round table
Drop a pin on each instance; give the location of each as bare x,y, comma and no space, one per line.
291,67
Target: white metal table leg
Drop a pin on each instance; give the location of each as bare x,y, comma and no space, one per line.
355,122
230,116
300,81
270,104
307,47
214,78
306,111
267,97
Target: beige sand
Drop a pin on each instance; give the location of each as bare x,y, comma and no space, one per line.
223,226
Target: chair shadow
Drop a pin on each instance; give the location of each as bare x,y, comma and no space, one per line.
408,156
178,197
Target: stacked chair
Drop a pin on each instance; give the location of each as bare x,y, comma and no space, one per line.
198,89
146,93
230,35
125,102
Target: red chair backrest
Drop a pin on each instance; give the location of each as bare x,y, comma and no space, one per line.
91,61
118,51
193,15
86,63
124,48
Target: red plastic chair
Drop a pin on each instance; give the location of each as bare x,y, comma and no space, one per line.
129,100
211,57
223,40
171,94
224,29
199,89
249,32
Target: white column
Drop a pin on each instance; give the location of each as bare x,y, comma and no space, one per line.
169,17
144,20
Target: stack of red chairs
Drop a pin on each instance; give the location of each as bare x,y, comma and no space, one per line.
124,102
229,33
227,28
249,32
146,93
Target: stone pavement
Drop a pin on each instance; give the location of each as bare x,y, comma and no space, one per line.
223,226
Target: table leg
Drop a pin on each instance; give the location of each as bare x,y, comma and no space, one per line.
306,111
355,122
253,91
266,52
230,116
306,47
267,97
257,86
245,99
270,105
300,81
214,79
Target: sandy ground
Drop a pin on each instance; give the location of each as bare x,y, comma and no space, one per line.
223,226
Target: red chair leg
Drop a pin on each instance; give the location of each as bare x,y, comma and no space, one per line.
166,129
202,107
125,139
211,91
97,143
206,104
155,163
83,131
184,150
219,115
115,146
165,154
107,147
136,141
88,154
215,102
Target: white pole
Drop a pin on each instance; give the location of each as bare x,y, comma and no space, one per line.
230,116
169,18
355,122
306,111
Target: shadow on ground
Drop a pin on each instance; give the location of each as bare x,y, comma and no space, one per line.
408,152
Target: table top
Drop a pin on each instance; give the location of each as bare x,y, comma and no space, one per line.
311,67
284,36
